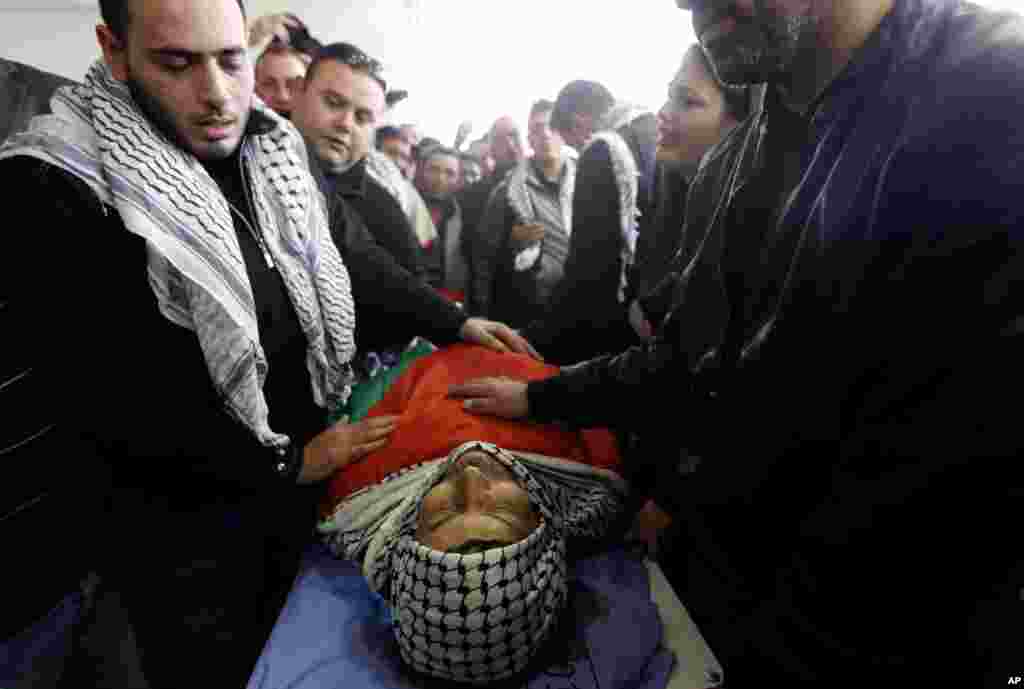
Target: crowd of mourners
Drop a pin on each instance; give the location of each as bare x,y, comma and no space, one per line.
793,294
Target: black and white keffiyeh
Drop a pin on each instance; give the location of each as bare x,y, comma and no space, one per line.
196,269
479,617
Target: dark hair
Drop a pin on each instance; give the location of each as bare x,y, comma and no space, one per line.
117,15
736,98
543,105
580,97
387,132
348,54
395,96
424,146
300,40
429,152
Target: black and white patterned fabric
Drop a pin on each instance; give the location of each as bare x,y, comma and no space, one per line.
480,617
196,270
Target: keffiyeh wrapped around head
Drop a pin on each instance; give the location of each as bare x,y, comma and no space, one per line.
478,617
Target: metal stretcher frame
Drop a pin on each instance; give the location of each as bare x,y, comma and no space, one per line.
696,666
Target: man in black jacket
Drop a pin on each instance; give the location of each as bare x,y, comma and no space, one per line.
586,315
825,408
43,593
340,103
336,112
505,148
197,325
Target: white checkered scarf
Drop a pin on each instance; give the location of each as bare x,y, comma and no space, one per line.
481,617
196,269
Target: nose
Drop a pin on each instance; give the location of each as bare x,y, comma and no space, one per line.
283,94
345,120
475,489
214,86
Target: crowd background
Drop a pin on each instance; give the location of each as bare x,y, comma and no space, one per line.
483,41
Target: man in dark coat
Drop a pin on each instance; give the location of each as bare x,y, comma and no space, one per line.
505,149
524,235
44,595
825,410
586,315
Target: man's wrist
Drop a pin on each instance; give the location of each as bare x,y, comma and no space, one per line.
287,462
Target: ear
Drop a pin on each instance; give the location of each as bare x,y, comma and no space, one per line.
115,52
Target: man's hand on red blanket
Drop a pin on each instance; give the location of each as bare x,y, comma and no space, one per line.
496,336
503,397
342,444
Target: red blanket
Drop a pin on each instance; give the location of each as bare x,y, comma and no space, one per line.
431,425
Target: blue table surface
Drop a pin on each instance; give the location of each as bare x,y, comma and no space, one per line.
334,632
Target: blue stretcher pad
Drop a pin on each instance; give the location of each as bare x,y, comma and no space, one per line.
334,632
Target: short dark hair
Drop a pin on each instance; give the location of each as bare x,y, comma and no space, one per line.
439,150
117,15
541,106
736,98
388,132
350,55
424,146
583,98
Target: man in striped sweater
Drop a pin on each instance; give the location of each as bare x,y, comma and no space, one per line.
524,234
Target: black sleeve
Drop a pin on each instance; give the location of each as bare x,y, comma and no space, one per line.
135,385
584,316
648,396
392,305
390,227
489,238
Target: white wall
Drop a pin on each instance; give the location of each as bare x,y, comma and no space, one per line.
474,59
62,41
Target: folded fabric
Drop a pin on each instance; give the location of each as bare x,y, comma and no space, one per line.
431,424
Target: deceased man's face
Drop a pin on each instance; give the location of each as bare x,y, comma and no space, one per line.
478,505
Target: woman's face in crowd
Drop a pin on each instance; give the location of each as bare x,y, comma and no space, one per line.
694,118
478,505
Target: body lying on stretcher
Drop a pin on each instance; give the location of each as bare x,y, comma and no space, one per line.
467,525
